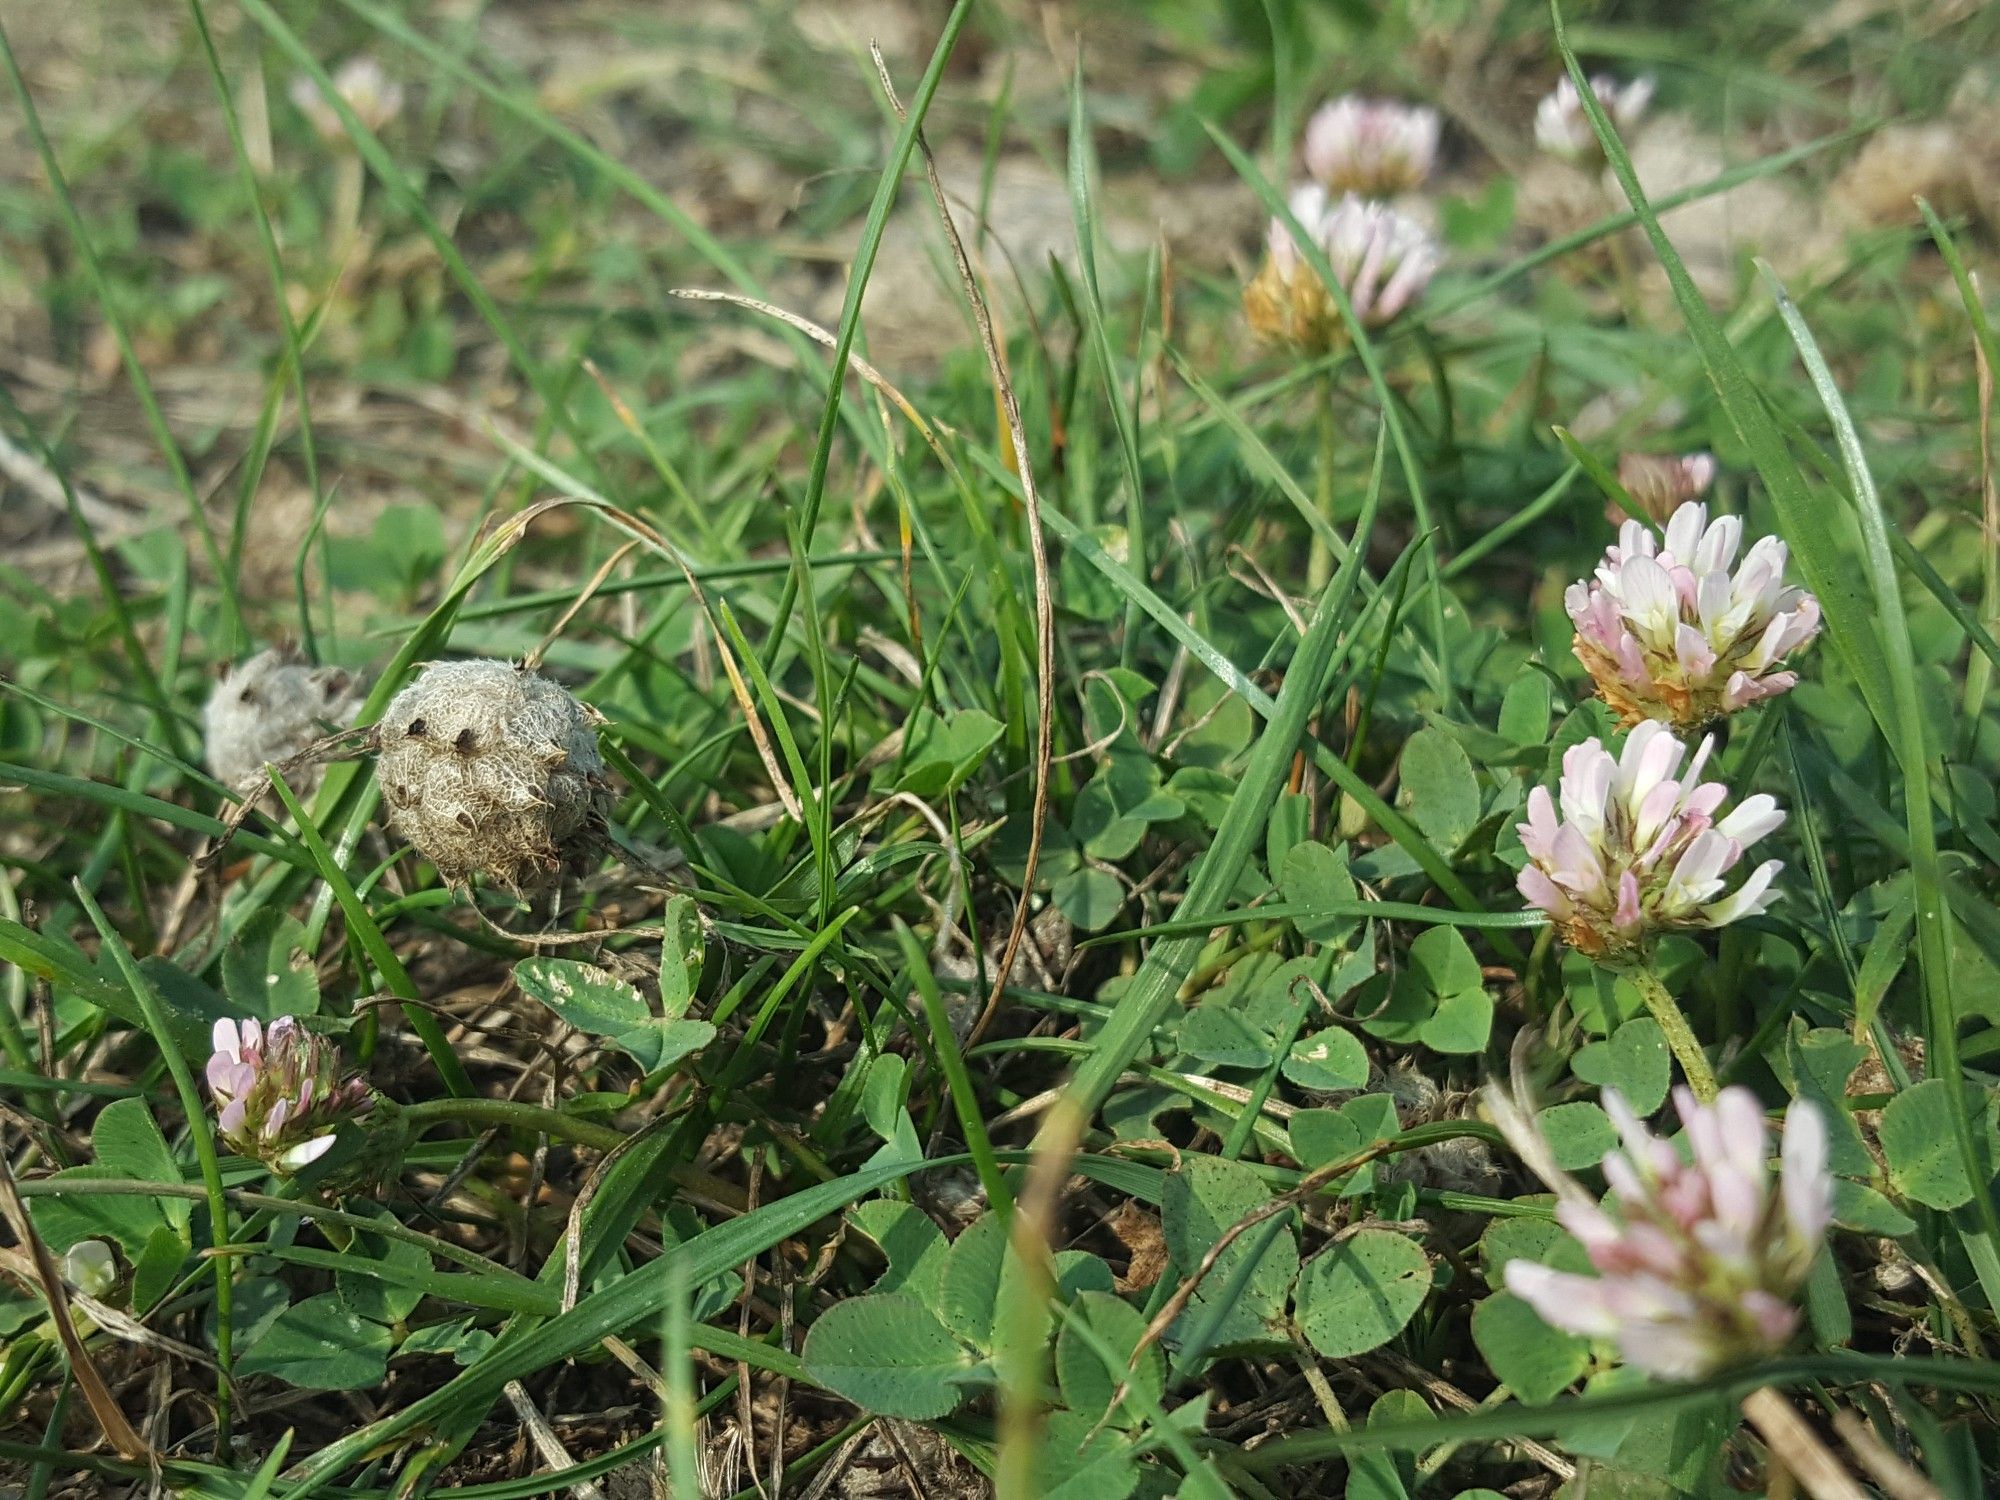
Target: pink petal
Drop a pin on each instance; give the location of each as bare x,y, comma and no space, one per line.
1538,890
1562,1299
1627,918
1805,1184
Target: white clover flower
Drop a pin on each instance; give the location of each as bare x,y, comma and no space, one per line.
1668,632
1375,147
1659,485
1699,1265
1563,130
279,1093
1638,850
1382,258
373,96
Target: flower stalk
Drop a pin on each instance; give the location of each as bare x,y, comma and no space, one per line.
1319,562
1681,1040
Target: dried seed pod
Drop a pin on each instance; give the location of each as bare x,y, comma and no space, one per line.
271,708
489,768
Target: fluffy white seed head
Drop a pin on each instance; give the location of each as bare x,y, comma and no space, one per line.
269,709
491,769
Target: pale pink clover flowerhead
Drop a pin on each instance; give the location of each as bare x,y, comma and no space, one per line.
1698,1267
1375,147
1383,259
1660,484
375,98
279,1092
1563,129
1673,629
1637,848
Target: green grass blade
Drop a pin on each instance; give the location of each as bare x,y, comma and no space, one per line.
1907,739
199,1131
362,923
1156,988
1828,565
450,63
396,183
293,364
1433,862
636,1297
944,1041
857,283
1084,222
1364,349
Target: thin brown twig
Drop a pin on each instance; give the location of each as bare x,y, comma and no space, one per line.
1901,1479
1452,1396
1790,1440
546,1443
347,744
82,1368
819,335
1175,1305
533,660
1045,623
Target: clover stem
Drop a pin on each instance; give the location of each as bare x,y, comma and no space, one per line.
1680,1036
1319,565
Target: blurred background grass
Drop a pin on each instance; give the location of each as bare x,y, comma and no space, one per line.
761,124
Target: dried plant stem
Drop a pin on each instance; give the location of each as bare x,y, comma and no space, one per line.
544,1438
1898,1478
1793,1443
1680,1036
1031,506
1175,1305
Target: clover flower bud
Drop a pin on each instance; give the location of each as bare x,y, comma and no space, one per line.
269,709
373,96
1667,631
1382,258
1638,850
1660,485
1374,147
1563,129
91,1268
490,768
279,1092
1699,1265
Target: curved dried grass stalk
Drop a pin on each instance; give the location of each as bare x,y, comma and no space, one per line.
1045,622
